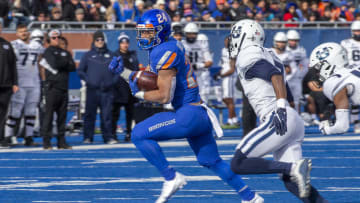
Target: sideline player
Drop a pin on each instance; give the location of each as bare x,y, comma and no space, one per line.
197,49
281,130
352,46
299,54
340,81
228,85
28,96
191,120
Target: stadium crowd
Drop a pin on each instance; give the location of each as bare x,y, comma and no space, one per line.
14,12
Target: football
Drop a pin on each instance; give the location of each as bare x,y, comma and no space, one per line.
146,80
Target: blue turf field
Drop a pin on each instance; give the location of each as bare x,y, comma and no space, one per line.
118,173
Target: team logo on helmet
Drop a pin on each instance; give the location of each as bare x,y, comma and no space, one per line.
323,54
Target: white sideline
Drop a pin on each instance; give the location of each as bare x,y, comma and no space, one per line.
172,143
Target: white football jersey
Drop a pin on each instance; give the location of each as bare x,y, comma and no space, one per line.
301,60
353,51
344,78
260,93
27,62
198,52
288,60
224,60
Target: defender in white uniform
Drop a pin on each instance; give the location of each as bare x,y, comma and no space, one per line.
197,49
28,96
296,75
352,46
341,83
228,78
281,130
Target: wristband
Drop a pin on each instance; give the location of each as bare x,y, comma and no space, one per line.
125,74
140,95
281,103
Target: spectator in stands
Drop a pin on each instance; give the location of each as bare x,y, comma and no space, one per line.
19,15
304,11
322,7
110,18
187,7
139,9
39,6
344,12
93,69
8,82
274,11
79,15
199,7
328,16
206,16
291,15
259,16
56,90
172,8
4,10
160,4
315,9
124,10
56,14
176,17
122,93
188,17
69,9
237,10
260,7
221,12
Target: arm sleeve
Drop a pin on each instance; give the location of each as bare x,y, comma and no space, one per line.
262,69
342,122
81,71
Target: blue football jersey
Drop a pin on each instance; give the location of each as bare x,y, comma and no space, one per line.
171,54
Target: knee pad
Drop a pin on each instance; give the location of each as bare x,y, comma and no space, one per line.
30,120
237,160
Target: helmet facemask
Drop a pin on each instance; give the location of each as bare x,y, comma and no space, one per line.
148,36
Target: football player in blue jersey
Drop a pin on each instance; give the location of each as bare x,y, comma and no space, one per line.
191,120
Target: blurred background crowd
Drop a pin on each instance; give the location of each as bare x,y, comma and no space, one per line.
13,12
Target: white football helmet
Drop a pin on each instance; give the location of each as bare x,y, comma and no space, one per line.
243,34
355,26
293,35
327,58
279,37
191,28
37,35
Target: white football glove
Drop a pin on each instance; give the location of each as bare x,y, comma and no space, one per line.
323,126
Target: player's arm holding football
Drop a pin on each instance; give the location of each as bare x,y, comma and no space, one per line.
342,112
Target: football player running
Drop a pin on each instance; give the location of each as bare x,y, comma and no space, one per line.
191,119
28,96
352,46
197,49
340,81
281,130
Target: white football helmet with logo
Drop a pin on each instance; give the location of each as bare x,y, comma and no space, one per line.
327,58
243,34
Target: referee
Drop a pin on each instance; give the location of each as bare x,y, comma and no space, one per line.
57,63
8,82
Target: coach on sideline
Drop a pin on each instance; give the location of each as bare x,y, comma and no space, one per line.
8,82
93,69
58,63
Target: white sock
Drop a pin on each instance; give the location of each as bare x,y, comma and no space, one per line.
313,116
229,120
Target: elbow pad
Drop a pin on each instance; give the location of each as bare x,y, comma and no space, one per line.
342,122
